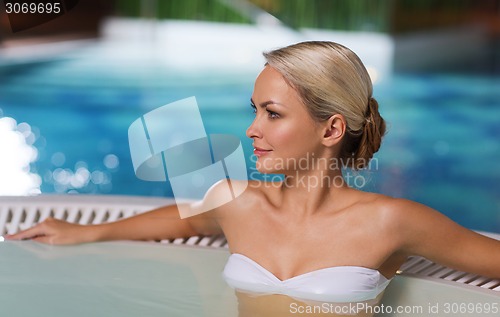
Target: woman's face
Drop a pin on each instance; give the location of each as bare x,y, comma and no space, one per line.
284,134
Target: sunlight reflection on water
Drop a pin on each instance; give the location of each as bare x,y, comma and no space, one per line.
17,154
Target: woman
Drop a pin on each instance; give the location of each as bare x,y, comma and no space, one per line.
313,104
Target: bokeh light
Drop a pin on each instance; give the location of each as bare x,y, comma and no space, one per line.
17,153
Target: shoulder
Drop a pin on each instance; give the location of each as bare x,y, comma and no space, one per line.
234,195
396,211
380,206
241,188
409,216
407,227
415,226
222,201
392,218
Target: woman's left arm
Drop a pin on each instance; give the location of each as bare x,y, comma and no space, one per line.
424,231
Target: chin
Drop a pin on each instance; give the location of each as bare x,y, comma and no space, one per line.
266,165
266,170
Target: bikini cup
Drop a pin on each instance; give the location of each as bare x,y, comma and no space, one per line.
334,284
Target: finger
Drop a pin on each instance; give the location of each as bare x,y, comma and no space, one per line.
26,234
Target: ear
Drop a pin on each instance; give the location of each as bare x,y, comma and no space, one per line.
333,130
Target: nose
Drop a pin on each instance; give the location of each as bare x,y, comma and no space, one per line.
254,130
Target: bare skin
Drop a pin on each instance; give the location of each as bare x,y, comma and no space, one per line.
291,228
285,306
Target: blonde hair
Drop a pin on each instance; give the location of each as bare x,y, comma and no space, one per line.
331,79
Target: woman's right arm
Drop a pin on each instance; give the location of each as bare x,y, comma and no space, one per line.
158,224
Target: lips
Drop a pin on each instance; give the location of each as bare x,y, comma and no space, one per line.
260,151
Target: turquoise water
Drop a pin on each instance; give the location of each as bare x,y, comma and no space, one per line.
443,145
442,148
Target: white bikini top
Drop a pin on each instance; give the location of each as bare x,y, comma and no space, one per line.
338,284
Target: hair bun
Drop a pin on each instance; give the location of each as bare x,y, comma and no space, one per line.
371,137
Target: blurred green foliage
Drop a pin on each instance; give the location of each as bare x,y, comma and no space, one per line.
359,15
353,15
204,10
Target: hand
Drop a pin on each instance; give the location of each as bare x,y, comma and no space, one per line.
54,231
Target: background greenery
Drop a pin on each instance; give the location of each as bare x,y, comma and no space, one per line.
394,16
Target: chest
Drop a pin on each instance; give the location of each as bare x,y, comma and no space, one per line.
291,249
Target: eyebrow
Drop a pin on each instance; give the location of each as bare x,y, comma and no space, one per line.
266,103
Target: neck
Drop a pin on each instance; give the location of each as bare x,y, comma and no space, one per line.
308,191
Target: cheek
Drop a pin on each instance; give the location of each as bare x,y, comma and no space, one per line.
285,134
282,136
293,136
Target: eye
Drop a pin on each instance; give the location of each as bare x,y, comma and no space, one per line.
254,108
272,115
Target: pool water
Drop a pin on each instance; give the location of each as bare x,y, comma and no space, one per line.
122,279
442,147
